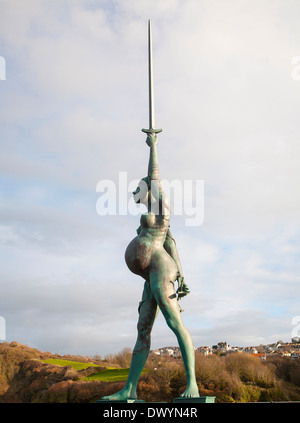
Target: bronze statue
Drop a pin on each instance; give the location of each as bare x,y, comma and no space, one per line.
153,255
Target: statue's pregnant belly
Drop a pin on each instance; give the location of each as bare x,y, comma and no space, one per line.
144,255
138,256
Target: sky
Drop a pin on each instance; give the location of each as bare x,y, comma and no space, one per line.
72,105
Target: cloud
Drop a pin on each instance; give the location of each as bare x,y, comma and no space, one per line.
72,106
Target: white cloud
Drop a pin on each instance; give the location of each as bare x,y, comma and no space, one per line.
73,104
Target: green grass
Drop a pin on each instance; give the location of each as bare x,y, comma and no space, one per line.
110,375
77,365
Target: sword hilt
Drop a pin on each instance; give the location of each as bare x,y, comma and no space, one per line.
152,131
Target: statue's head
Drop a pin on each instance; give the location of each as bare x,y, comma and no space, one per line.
141,193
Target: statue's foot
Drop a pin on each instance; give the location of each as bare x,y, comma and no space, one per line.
190,392
124,394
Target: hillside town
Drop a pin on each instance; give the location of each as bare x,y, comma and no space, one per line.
263,351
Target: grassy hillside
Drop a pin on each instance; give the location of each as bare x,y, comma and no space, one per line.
109,374
29,375
77,365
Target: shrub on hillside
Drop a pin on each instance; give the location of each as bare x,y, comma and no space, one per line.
286,368
10,357
250,369
122,359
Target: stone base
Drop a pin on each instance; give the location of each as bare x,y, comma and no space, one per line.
126,401
194,400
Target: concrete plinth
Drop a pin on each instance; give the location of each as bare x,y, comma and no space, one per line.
194,400
127,401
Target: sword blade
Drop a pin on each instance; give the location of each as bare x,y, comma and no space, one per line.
150,70
151,90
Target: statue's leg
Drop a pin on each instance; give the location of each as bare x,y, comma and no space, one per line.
164,293
147,313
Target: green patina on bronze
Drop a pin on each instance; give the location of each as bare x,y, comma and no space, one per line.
153,255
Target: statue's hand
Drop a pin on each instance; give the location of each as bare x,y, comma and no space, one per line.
183,289
179,279
151,140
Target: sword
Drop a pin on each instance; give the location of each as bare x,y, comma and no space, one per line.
151,129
